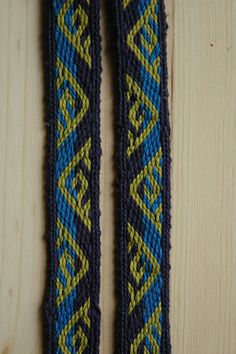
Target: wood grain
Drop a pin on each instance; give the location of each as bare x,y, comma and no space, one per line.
22,254
202,85
203,282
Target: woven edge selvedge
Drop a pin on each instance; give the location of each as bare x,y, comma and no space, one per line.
96,157
48,57
122,247
165,142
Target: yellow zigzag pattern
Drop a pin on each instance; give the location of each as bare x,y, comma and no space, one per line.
66,79
137,270
80,315
142,104
143,116
79,180
73,23
146,332
71,281
144,23
79,16
147,172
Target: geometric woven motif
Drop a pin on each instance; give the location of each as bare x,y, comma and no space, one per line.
72,304
144,195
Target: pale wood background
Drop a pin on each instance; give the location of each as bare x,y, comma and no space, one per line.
202,67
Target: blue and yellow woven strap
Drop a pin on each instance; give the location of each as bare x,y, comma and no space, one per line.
72,304
72,301
144,187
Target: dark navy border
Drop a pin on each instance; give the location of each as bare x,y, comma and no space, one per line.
49,53
122,186
95,176
165,142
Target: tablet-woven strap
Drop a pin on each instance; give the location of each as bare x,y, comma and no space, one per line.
144,186
73,316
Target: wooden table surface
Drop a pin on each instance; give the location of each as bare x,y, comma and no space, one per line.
202,85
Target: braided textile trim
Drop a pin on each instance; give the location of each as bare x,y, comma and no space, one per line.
72,312
144,187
